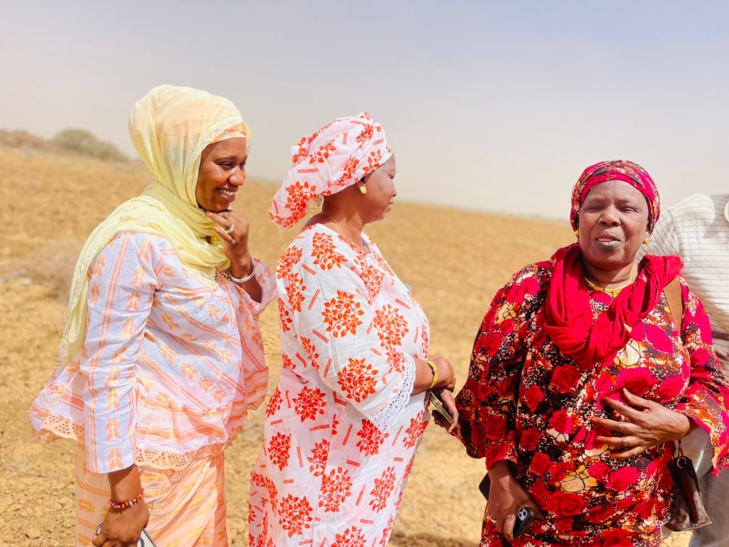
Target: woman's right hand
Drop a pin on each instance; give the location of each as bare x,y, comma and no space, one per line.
506,498
446,375
122,527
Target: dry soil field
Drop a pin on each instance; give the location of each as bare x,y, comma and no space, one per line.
454,261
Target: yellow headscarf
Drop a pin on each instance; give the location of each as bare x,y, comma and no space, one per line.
170,127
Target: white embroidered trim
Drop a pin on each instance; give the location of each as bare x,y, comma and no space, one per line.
384,420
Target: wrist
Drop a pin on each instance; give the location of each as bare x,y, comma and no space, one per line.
500,469
434,370
444,373
241,273
125,484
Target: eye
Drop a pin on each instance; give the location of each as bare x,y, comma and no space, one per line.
226,164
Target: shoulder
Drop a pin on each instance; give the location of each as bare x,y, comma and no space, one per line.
144,245
700,209
529,284
538,272
316,248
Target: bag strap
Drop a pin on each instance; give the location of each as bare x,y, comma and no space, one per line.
675,302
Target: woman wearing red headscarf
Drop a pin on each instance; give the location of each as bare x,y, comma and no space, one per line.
349,410
579,379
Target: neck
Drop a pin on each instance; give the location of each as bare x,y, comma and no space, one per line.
349,225
612,279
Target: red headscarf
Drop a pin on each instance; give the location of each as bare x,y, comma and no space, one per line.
624,170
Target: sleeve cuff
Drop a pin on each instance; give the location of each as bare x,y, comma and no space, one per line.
384,419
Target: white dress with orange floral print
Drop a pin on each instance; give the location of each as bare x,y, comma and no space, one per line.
168,370
342,427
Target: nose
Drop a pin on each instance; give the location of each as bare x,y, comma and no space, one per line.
610,217
238,176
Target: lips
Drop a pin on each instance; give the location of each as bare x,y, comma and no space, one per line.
607,237
228,195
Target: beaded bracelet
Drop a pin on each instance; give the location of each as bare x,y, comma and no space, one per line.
125,504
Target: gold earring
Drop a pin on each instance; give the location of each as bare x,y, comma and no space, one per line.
577,234
646,241
363,189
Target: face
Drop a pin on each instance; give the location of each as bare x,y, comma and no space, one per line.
381,191
222,172
612,225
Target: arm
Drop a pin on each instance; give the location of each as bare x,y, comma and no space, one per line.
702,404
488,400
706,400
120,297
255,371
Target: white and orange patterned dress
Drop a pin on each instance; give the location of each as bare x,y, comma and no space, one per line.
342,427
169,368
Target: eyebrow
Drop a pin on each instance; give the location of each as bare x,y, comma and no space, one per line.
230,157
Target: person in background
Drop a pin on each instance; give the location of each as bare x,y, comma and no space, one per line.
697,230
161,356
346,418
580,379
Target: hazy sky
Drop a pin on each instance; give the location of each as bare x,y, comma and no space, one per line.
489,105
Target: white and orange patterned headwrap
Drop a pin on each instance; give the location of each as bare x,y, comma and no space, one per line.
328,161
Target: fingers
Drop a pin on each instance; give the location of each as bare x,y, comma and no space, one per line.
450,404
507,527
99,539
636,451
638,402
229,222
631,446
627,411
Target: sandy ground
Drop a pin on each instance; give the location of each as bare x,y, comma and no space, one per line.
454,260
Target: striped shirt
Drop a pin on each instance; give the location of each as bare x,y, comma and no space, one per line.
697,230
169,367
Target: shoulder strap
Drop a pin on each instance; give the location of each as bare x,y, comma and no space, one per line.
675,302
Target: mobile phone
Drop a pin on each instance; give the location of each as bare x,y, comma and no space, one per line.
440,408
524,518
144,539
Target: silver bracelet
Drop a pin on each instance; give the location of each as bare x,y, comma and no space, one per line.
243,279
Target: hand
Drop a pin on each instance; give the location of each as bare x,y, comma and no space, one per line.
446,375
506,498
235,243
648,424
122,528
449,401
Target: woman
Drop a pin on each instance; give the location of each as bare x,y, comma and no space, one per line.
343,425
161,356
579,379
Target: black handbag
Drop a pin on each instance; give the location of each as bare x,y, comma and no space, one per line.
687,510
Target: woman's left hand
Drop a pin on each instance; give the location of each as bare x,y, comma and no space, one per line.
449,402
232,229
648,424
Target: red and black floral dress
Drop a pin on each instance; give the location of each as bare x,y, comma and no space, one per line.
526,402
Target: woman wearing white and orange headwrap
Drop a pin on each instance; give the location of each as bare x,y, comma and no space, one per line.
161,356
343,425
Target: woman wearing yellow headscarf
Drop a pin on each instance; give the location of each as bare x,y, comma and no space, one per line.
161,356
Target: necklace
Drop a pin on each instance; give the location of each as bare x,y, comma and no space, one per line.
615,291
344,233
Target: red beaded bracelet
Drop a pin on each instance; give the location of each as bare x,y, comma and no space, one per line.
124,504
